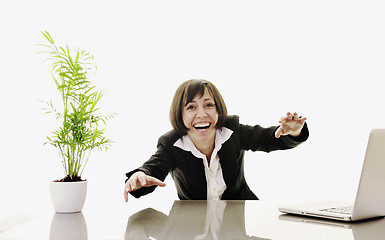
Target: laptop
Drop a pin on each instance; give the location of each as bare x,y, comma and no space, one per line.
370,197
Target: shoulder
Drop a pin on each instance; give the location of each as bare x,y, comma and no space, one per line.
232,122
168,139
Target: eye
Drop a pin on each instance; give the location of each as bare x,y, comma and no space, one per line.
210,105
190,107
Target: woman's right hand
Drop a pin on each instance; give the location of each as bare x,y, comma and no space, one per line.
139,180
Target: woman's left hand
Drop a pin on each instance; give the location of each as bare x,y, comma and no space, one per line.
291,124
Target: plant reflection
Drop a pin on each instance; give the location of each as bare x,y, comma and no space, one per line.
194,220
68,226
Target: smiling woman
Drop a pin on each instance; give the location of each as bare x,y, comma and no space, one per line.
201,117
204,153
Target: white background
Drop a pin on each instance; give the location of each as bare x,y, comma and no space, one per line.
323,59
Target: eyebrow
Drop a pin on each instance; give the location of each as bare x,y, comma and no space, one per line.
206,99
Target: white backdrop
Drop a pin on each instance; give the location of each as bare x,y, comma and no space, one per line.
323,59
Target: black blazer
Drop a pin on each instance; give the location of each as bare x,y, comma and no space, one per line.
188,171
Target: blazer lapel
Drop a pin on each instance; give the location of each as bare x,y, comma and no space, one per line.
228,166
197,176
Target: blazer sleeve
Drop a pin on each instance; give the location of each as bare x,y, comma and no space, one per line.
157,166
257,138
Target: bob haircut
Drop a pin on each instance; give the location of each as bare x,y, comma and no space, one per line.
185,93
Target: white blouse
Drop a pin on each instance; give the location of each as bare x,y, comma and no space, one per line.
215,183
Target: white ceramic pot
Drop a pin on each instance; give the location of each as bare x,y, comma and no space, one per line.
68,197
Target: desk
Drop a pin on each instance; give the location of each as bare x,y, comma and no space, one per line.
144,219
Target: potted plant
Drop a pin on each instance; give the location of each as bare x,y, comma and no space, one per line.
80,124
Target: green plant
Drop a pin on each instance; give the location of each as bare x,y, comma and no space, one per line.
79,132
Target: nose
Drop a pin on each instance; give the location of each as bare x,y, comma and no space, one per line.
201,112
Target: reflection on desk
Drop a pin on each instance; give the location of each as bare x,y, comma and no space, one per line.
191,220
68,226
373,229
154,219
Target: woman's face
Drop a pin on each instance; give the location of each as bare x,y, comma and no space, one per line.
200,117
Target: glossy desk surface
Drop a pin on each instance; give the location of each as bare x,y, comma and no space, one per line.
181,220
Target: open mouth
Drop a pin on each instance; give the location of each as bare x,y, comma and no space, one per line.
202,126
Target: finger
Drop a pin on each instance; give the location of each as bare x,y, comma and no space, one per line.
302,120
289,116
279,132
157,182
282,120
131,187
125,194
126,191
295,115
134,184
142,180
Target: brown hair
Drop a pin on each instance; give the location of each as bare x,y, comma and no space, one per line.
185,93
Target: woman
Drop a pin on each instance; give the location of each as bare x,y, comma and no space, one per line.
204,153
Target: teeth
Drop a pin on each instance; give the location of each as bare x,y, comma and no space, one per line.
201,125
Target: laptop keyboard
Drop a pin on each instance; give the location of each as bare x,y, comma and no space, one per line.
342,210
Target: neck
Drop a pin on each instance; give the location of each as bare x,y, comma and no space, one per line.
207,151
205,147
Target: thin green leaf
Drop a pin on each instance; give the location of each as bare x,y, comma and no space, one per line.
48,36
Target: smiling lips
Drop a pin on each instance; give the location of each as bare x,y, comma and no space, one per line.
202,126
